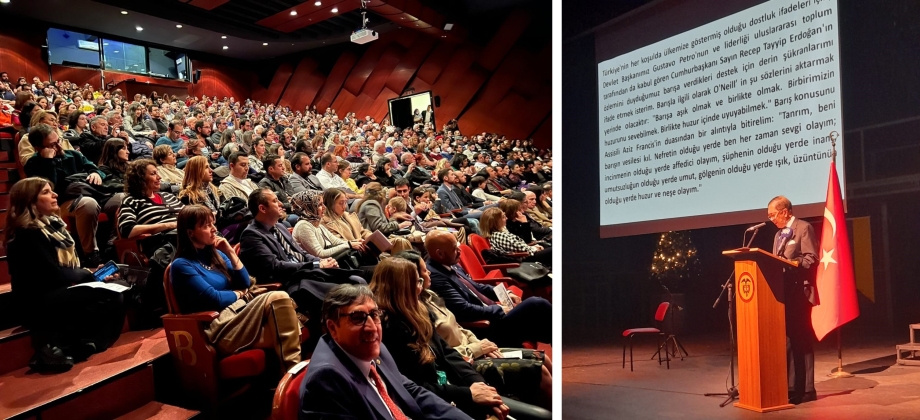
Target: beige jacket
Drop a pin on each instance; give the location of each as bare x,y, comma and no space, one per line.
232,187
461,339
539,217
347,227
26,150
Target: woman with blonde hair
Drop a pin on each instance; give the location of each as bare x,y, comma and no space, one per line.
493,223
66,323
196,185
339,220
422,355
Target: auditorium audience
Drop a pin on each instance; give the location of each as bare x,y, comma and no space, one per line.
340,221
197,187
144,209
237,184
165,159
60,167
423,356
371,214
310,233
344,172
26,150
66,323
529,377
207,275
502,241
528,320
353,375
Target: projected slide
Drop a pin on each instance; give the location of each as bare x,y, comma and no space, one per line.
717,120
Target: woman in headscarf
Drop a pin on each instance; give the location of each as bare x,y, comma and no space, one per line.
310,234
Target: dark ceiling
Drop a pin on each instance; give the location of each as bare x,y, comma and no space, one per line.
260,29
579,16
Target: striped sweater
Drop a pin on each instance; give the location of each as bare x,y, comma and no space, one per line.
141,211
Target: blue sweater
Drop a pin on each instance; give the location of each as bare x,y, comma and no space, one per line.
176,146
198,289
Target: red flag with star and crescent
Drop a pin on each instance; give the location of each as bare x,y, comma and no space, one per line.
835,282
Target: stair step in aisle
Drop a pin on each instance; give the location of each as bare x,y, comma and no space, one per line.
116,382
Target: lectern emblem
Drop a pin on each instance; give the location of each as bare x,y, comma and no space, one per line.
745,287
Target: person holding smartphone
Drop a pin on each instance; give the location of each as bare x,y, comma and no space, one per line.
67,323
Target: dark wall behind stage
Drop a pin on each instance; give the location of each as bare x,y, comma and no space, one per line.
607,283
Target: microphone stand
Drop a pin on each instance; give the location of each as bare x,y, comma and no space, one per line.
732,392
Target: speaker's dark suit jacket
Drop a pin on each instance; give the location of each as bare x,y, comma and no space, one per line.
801,247
335,388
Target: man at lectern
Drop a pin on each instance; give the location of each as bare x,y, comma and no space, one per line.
796,241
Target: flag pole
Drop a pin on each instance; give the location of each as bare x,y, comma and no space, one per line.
839,373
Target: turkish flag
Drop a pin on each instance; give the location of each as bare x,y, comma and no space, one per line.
835,282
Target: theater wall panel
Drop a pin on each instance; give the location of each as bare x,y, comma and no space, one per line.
305,83
276,87
335,80
21,56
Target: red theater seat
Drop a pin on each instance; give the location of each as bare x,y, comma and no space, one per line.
205,376
286,403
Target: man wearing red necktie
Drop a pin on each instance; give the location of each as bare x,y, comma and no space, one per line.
351,373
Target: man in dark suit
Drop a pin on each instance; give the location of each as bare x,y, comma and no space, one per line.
795,241
271,255
351,373
529,320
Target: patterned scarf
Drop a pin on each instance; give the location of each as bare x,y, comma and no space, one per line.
56,231
306,204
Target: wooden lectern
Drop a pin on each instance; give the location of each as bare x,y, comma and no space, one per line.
761,317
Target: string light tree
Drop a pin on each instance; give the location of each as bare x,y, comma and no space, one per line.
675,267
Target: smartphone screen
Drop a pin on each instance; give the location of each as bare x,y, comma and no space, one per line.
107,270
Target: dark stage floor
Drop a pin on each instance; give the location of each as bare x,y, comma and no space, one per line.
595,386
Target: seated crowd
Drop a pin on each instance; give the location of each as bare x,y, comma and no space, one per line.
242,193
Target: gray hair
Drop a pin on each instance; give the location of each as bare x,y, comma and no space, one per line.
100,118
343,296
379,143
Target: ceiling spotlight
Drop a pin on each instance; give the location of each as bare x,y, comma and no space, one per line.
105,43
223,37
448,26
443,36
264,43
179,26
319,3
225,47
335,10
293,13
116,51
124,12
4,1
139,28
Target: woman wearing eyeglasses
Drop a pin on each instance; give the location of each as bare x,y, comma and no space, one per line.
207,275
424,357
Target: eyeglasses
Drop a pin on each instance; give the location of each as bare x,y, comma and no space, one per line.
359,318
771,216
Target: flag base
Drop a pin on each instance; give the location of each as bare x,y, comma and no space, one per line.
839,373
